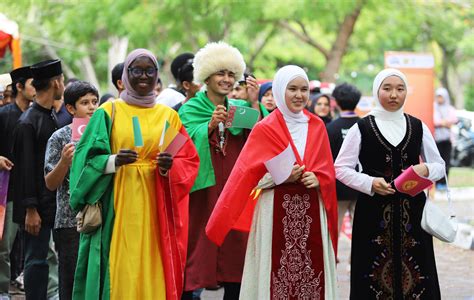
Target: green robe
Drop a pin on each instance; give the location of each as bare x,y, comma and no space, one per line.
88,185
195,115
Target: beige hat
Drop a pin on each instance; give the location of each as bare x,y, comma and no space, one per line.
215,57
5,80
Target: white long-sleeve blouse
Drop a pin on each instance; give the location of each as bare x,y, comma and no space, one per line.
348,159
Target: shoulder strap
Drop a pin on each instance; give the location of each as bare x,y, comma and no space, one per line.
448,194
452,214
112,116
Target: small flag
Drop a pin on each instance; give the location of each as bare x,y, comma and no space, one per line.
4,179
241,117
281,165
411,183
171,140
78,127
137,132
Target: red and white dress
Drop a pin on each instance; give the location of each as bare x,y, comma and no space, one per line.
293,233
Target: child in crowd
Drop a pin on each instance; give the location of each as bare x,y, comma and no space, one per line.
81,100
347,96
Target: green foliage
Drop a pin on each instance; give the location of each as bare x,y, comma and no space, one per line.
469,97
75,29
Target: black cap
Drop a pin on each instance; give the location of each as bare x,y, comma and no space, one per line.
178,62
21,73
46,69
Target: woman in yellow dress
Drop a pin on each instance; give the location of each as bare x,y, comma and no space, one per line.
139,251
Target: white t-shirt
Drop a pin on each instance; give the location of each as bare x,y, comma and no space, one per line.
169,97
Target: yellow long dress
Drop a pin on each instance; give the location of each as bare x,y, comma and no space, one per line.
136,268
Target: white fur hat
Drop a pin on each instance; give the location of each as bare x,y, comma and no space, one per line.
215,57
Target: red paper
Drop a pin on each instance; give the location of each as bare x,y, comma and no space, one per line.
177,143
78,127
411,183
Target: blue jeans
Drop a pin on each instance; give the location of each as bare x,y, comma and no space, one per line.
36,264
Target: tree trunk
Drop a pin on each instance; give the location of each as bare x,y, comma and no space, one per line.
457,85
339,46
87,69
117,54
445,72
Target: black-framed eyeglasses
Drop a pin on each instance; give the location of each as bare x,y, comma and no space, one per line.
138,72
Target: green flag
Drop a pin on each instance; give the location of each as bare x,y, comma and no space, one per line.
242,117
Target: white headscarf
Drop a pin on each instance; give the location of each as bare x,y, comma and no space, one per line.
441,112
392,125
297,123
445,94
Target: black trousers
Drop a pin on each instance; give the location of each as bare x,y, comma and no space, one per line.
17,257
231,291
66,241
444,148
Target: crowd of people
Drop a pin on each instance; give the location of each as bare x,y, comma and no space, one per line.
211,214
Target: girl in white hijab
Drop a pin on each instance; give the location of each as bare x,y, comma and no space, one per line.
282,263
392,257
258,274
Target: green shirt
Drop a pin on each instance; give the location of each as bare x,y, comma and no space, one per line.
196,114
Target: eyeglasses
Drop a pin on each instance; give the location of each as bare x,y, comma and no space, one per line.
138,72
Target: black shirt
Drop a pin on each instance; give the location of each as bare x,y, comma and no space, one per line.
337,131
34,128
63,117
9,115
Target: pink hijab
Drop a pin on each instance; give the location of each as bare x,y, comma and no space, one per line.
129,95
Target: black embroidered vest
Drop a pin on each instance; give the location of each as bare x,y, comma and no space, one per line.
379,158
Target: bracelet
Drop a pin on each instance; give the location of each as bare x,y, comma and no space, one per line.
163,172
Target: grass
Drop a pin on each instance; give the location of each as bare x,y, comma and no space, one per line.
461,177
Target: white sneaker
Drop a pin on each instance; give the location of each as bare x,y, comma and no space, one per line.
20,282
54,297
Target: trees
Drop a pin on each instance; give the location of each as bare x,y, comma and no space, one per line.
334,40
344,27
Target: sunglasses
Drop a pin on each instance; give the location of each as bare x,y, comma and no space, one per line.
138,72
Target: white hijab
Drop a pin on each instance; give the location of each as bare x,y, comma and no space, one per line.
297,123
392,125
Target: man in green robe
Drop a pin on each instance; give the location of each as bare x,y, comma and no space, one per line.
218,66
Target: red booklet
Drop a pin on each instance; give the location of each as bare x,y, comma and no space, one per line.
411,183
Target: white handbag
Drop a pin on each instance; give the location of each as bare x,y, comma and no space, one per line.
437,223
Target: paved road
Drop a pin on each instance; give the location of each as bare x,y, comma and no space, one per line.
455,270
455,265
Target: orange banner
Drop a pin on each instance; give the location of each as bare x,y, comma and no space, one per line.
419,69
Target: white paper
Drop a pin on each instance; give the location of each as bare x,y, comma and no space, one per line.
281,165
